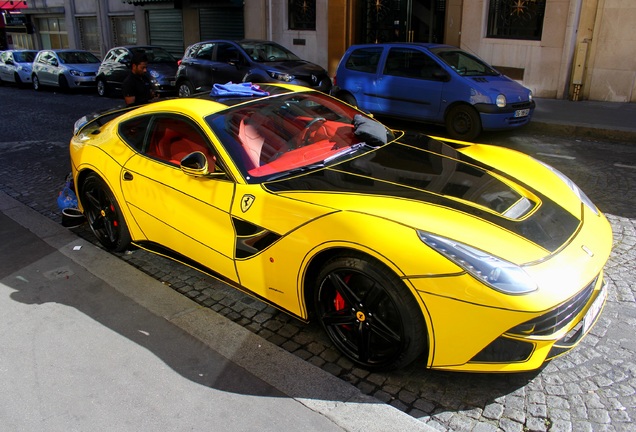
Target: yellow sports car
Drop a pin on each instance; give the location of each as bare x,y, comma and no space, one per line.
406,248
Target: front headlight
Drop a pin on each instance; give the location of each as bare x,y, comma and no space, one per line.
76,72
501,101
497,273
154,74
530,96
281,76
573,187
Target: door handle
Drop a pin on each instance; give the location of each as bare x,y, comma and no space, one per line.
128,176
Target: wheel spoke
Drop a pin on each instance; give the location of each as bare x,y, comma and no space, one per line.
364,342
338,318
381,329
350,297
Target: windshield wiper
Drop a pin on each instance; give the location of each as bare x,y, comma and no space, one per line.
296,170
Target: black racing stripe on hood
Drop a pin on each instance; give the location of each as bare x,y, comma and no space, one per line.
435,176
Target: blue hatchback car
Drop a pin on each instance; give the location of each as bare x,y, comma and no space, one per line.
432,83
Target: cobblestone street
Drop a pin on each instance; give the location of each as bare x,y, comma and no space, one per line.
591,388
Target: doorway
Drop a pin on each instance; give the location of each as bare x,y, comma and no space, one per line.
402,21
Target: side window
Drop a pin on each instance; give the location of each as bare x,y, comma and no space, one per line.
410,63
133,131
204,52
226,53
364,60
110,56
171,138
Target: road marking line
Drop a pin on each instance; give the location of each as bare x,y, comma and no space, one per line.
557,156
620,165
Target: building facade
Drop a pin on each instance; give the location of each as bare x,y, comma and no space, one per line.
574,49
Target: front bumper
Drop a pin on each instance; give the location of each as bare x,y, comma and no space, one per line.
510,116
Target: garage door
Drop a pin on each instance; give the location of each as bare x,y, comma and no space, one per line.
221,22
165,27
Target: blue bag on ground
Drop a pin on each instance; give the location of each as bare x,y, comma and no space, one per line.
67,197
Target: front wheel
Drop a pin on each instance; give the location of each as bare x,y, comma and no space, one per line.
368,313
101,88
349,99
36,83
463,123
103,214
185,89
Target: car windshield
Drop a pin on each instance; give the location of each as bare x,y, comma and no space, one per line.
267,52
282,135
77,57
156,55
24,56
463,63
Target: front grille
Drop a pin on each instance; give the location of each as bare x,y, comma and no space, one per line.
521,105
554,320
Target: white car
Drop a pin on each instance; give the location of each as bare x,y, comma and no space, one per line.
64,68
15,66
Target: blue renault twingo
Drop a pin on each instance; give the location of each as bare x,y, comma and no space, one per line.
432,83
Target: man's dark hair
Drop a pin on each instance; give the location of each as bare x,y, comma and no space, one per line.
139,57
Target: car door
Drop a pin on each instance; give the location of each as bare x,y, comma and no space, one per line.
45,68
229,64
117,66
189,215
410,85
200,67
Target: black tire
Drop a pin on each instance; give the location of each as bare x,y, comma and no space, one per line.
18,81
185,89
368,313
103,214
463,123
36,83
63,83
102,88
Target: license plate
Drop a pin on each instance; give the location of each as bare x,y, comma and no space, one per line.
522,113
594,310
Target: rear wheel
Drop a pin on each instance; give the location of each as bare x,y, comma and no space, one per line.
368,313
463,123
104,214
36,83
185,89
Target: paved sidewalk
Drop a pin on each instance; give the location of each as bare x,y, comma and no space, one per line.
586,119
88,342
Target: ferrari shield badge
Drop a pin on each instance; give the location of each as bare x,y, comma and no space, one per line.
246,202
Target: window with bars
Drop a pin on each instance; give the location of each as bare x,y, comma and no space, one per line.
89,34
302,14
516,19
53,32
124,30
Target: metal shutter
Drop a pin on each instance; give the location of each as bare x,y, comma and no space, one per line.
222,22
165,27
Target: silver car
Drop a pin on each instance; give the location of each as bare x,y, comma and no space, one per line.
65,68
15,66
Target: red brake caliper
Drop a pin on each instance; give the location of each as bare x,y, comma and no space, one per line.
112,208
339,302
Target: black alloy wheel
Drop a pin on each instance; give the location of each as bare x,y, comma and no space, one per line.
185,89
103,214
102,90
368,313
